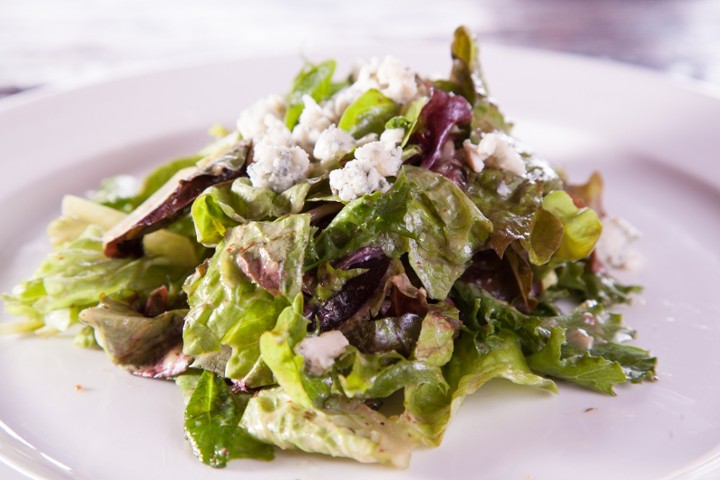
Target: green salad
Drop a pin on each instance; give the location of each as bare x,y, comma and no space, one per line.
340,270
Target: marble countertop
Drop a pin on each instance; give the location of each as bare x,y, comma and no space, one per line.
51,42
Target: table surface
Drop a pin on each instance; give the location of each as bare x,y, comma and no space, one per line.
51,42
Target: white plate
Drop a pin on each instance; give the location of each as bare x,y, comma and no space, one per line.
656,144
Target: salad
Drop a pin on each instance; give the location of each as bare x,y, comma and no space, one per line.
338,272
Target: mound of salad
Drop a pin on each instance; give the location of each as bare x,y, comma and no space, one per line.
376,241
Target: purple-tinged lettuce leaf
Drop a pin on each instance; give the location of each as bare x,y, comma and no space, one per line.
228,307
440,115
272,254
146,343
509,278
359,300
173,200
388,334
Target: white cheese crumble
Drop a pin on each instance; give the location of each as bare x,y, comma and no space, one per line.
390,76
384,156
339,102
276,134
278,167
393,136
393,78
494,150
254,121
474,158
579,338
396,80
313,121
357,178
319,353
503,190
333,144
615,244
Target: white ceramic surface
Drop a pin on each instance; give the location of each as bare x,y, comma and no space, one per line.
655,142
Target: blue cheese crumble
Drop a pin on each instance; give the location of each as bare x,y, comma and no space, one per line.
278,167
495,150
333,144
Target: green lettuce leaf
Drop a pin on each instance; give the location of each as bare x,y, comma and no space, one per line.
635,362
435,344
277,349
75,276
423,214
429,408
379,375
228,307
342,428
408,121
512,215
582,347
313,80
577,279
376,219
586,370
447,229
222,207
78,214
212,421
467,77
581,226
272,253
367,114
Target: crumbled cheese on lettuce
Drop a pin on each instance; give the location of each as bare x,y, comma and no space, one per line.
333,144
384,156
254,121
495,150
320,352
278,167
357,178
312,122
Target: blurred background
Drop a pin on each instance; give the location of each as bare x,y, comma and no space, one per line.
54,42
